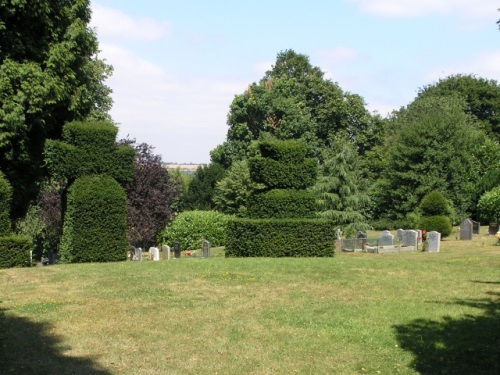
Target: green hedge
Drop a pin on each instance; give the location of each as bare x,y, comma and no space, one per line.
289,151
15,251
281,175
282,204
96,134
5,201
95,227
280,238
441,224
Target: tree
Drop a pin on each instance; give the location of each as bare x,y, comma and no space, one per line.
435,146
201,188
342,197
292,101
49,75
150,196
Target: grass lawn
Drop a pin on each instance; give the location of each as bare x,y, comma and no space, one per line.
402,313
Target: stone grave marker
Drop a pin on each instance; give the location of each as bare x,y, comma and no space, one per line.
386,239
154,253
493,229
131,253
433,241
138,254
165,249
399,234
361,235
410,238
466,230
177,249
419,237
476,227
205,249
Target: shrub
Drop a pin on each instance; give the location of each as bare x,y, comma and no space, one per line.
282,204
5,201
441,224
489,205
436,204
95,227
15,251
190,228
288,151
280,238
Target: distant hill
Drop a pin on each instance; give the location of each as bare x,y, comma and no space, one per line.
186,168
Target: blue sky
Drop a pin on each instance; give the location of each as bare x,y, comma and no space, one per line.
179,64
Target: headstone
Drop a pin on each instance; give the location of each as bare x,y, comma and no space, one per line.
205,248
433,241
476,227
493,229
399,234
138,254
177,249
165,249
419,237
361,235
154,253
410,238
386,239
131,253
466,230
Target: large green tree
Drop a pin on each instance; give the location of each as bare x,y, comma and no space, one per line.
49,75
292,101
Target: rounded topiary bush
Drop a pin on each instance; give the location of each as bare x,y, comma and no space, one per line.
489,206
5,200
436,204
441,224
190,228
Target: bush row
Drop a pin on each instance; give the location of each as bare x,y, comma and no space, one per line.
280,238
282,204
15,251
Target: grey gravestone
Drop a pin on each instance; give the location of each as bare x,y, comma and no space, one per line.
154,253
466,230
205,249
476,227
177,249
410,238
131,253
433,241
138,254
399,234
386,239
165,249
493,228
419,237
361,235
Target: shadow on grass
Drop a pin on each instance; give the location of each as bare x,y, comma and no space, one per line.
28,347
468,345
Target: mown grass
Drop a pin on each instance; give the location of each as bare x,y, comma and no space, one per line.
405,313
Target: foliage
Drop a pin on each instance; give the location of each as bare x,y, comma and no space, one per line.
150,196
282,204
280,238
434,147
190,228
436,204
438,223
50,74
5,201
95,226
342,197
201,188
232,192
489,205
15,251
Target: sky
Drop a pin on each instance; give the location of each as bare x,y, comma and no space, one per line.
179,64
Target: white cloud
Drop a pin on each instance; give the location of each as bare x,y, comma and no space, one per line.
414,8
115,24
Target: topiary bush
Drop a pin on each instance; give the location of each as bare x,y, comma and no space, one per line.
190,228
5,201
95,227
441,224
489,206
281,204
436,204
15,251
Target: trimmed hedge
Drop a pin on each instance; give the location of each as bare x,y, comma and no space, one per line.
282,204
15,251
441,224
5,201
280,238
289,151
95,227
96,134
282,175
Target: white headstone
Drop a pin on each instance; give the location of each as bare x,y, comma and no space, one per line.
154,253
166,249
386,239
400,234
410,238
434,241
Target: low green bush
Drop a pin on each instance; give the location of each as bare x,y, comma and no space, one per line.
280,238
282,204
15,251
441,224
190,228
489,206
